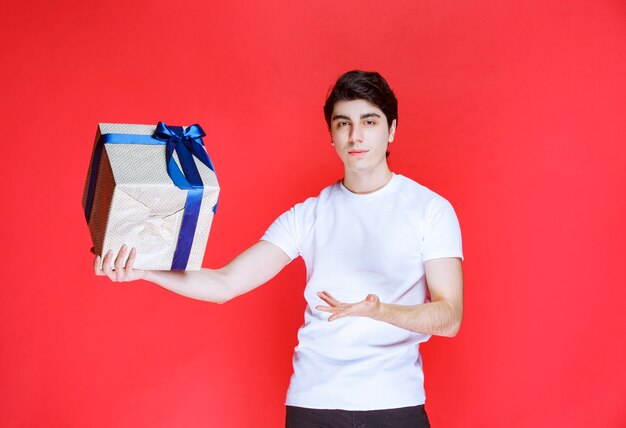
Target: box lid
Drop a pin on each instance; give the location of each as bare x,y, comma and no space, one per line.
140,171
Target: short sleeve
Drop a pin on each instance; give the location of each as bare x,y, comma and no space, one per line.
283,233
442,234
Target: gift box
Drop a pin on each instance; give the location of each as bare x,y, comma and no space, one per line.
153,188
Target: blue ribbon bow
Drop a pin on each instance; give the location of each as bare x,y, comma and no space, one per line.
187,143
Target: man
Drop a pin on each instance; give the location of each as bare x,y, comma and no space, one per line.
376,239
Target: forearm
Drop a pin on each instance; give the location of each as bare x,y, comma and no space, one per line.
207,284
255,266
435,318
442,316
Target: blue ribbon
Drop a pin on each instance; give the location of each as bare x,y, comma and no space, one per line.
187,143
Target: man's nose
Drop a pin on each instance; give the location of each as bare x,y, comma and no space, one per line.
356,134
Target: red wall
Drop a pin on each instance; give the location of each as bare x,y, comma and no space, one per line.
514,111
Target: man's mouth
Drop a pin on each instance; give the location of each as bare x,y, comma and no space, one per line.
357,152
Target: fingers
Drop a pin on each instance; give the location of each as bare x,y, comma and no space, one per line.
130,263
335,311
367,307
106,266
336,308
326,297
120,270
119,264
353,309
97,266
330,309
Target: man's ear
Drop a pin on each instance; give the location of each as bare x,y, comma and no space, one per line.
392,130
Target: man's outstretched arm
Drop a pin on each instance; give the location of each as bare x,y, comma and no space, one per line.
441,316
253,267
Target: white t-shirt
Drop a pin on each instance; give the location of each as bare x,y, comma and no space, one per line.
354,245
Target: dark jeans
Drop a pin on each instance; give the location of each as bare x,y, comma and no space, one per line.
404,417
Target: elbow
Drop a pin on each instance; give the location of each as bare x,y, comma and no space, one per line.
224,290
225,296
452,330
448,331
454,324
223,300
453,327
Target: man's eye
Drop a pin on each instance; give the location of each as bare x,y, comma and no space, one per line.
370,122
342,124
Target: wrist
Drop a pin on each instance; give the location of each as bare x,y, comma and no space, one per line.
148,275
380,313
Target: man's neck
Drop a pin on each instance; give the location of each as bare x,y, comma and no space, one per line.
363,183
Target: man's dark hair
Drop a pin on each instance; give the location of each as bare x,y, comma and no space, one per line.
363,85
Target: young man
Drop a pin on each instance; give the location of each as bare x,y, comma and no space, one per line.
388,246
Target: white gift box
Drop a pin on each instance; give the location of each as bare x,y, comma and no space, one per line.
134,201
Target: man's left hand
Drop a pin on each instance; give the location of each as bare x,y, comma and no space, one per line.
368,307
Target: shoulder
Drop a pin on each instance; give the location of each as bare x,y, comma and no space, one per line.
307,209
419,196
325,195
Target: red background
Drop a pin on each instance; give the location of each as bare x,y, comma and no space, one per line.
514,111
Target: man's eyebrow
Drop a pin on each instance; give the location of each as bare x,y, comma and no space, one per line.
366,115
363,116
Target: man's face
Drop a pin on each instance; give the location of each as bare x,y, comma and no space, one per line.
360,134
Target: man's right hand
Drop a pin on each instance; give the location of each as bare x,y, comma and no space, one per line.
121,272
255,266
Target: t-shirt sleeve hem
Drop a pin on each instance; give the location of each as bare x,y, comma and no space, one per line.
442,255
291,253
